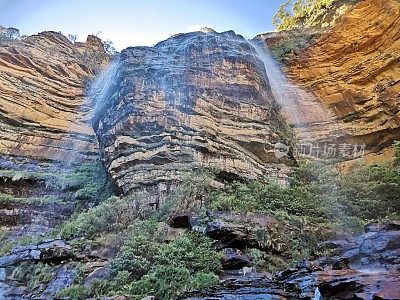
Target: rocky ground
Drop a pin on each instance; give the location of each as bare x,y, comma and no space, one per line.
358,267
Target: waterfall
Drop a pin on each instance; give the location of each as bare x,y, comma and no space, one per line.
302,109
285,93
97,99
100,91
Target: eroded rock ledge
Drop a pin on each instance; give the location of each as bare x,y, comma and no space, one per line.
354,70
195,99
42,96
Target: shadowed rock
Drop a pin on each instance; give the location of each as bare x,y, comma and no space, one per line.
52,251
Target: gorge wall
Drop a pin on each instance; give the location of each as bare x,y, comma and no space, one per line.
43,114
196,99
354,69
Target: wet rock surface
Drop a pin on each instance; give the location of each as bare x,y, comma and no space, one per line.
354,71
251,287
364,267
196,99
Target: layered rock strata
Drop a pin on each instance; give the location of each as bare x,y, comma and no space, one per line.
354,70
43,114
196,99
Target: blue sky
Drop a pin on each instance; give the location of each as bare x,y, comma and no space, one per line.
134,22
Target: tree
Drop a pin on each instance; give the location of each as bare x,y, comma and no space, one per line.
72,38
109,48
294,13
9,34
282,14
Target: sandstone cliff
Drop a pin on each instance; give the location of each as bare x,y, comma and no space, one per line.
42,96
354,71
195,99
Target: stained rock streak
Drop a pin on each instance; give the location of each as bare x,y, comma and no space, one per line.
195,99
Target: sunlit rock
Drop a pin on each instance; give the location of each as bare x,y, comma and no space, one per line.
196,99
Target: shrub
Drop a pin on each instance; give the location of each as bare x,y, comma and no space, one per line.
112,215
168,282
5,245
191,250
164,282
32,275
75,292
370,193
139,252
189,194
89,181
153,267
267,197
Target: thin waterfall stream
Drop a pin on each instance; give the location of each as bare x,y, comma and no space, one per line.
303,110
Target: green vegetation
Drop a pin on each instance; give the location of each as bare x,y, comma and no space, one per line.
294,13
188,262
27,200
146,265
320,194
32,275
88,183
5,244
294,41
75,292
319,203
112,215
9,34
189,195
300,23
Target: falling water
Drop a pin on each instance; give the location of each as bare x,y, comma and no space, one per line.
284,92
302,109
100,91
95,102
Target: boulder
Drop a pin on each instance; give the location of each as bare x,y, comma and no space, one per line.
97,274
230,232
50,251
63,279
234,259
365,267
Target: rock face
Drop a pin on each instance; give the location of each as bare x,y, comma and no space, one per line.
195,99
53,251
364,268
42,92
354,71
